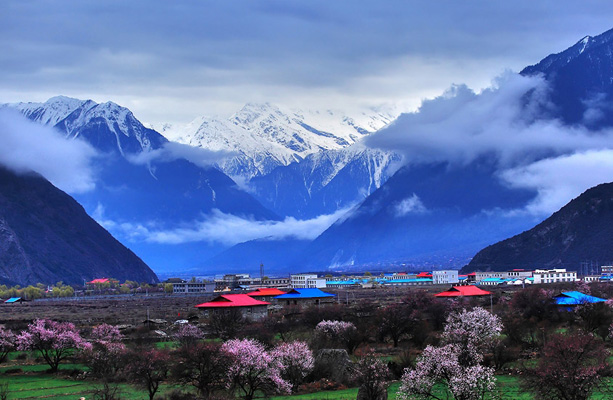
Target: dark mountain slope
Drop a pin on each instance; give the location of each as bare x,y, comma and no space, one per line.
580,79
46,236
423,215
581,230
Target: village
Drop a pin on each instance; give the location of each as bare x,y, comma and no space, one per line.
340,324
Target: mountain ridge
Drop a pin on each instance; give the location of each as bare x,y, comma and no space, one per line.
46,236
581,230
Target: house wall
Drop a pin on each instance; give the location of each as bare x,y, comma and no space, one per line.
554,275
252,313
444,277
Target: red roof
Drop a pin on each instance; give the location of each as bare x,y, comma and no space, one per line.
99,280
266,292
424,275
232,300
469,290
472,274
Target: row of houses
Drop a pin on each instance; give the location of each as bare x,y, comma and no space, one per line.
256,305
232,282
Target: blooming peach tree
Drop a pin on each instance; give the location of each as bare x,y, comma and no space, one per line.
203,366
188,334
457,364
341,331
105,333
104,357
372,375
8,343
297,361
55,341
472,332
253,369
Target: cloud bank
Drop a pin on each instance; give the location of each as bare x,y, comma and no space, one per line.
221,228
171,151
26,146
506,123
171,61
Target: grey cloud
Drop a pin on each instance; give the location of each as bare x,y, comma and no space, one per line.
26,146
190,54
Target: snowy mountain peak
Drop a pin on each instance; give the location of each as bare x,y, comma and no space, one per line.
107,126
267,136
50,112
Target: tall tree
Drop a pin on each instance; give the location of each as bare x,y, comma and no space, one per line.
571,367
55,341
253,369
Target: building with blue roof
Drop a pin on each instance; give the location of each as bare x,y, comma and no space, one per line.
14,300
408,282
305,297
568,300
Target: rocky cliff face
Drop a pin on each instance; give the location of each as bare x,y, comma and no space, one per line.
46,236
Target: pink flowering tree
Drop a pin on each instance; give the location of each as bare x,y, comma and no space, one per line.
571,367
104,357
253,369
457,364
188,334
55,341
105,333
297,361
8,343
372,375
203,366
441,366
147,368
340,331
472,332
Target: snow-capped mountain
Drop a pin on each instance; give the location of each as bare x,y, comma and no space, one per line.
265,136
107,126
581,82
324,182
131,198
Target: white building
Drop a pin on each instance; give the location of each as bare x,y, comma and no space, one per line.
554,275
193,287
444,277
307,281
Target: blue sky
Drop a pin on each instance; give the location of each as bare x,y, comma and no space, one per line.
173,61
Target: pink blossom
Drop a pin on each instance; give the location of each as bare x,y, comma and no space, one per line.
53,340
296,360
254,369
334,328
188,334
340,331
440,365
106,333
8,342
372,374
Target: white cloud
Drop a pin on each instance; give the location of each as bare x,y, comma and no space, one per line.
26,146
173,151
222,228
507,123
410,205
557,180
461,125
